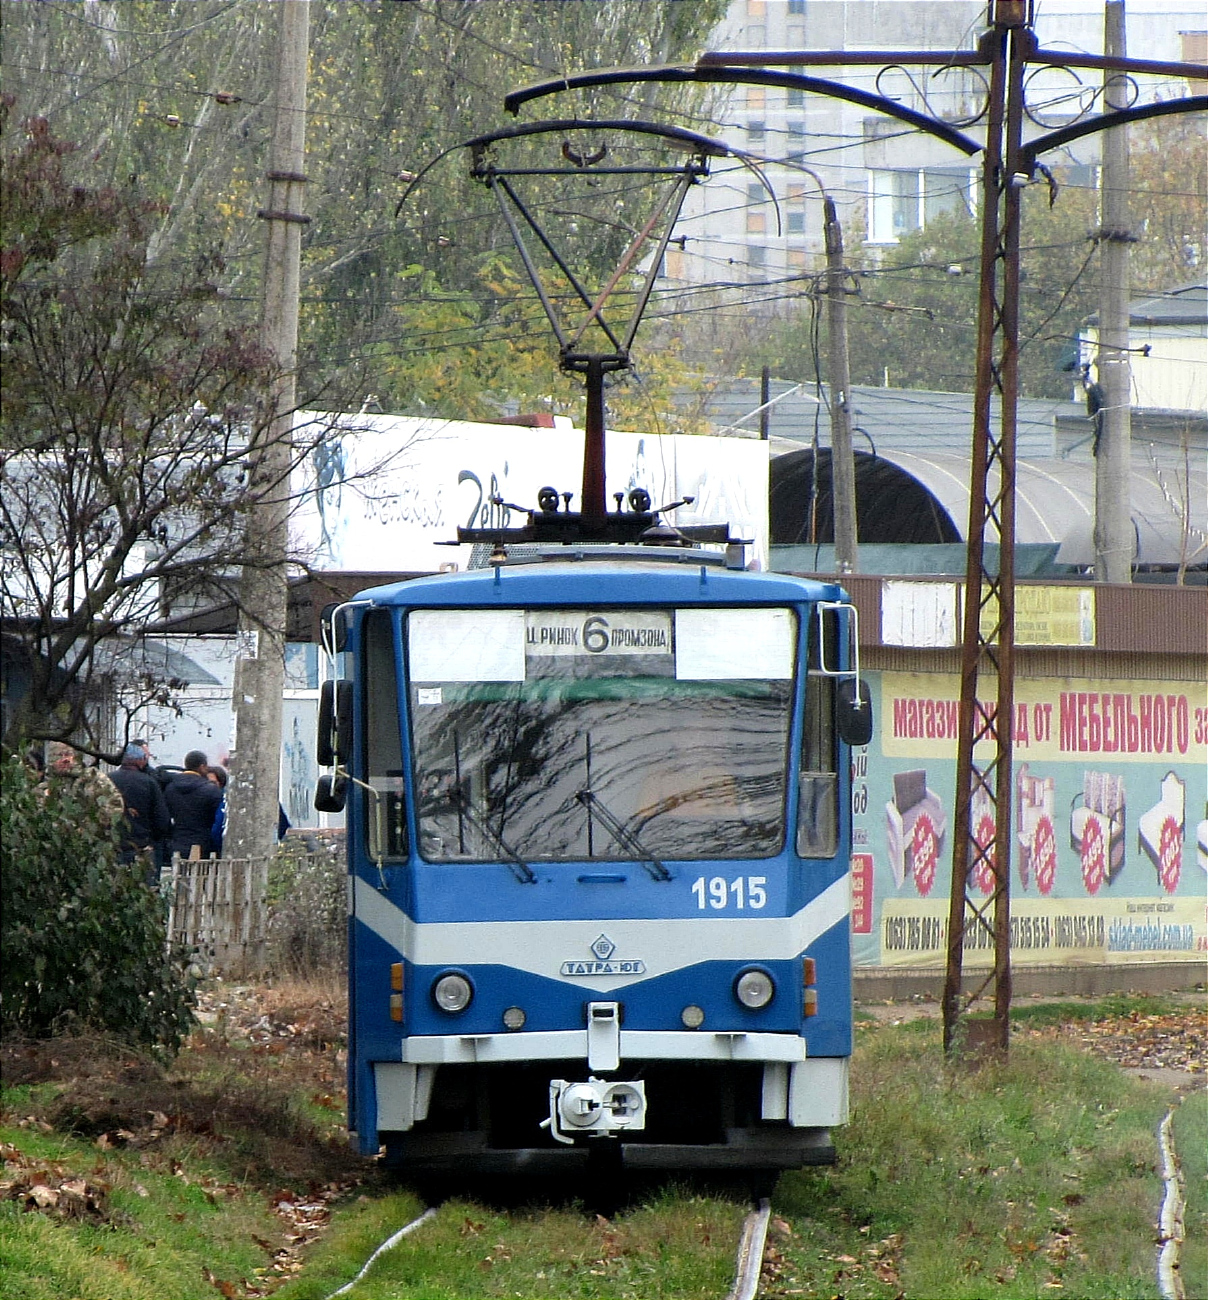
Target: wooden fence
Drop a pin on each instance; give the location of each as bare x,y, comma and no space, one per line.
217,909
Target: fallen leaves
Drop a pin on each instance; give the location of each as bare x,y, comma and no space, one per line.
304,1216
51,1188
1175,1040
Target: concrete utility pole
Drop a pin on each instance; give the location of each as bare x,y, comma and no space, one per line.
260,653
1114,540
843,463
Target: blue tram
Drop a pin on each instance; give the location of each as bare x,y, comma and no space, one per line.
598,825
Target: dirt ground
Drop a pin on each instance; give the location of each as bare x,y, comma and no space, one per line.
1170,1049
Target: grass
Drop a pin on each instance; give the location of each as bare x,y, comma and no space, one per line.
1190,1126
1030,1178
206,1178
675,1245
1113,1006
156,1231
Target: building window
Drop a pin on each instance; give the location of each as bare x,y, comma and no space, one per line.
795,98
757,98
757,223
797,7
757,255
794,223
796,259
757,132
756,193
757,9
795,149
900,202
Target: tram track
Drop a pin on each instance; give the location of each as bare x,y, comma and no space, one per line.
751,1247
748,1261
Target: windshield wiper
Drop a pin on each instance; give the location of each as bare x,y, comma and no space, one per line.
625,838
524,873
465,813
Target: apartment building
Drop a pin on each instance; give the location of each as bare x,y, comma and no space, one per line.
886,179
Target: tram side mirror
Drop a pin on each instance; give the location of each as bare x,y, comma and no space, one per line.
334,629
334,743
331,794
853,711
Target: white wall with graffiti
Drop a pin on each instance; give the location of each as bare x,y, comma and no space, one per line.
201,717
380,493
383,492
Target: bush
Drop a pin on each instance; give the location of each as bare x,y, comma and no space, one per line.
84,939
308,906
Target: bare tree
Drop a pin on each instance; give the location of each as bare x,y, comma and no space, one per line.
128,404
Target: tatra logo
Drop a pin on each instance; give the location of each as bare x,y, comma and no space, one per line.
604,964
603,947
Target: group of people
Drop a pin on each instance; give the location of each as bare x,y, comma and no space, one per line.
163,811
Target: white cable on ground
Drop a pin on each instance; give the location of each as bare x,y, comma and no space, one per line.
750,1253
1170,1217
386,1245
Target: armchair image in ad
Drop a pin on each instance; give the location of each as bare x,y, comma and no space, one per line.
1160,832
1097,828
915,826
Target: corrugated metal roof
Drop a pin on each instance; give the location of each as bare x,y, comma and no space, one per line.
1054,503
1186,305
129,657
884,418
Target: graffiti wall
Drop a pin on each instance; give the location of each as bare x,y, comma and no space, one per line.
1109,833
387,493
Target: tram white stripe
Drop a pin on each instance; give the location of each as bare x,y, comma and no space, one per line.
662,945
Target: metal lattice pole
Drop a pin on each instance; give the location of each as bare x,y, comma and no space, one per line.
982,838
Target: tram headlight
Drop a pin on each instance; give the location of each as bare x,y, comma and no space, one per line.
754,988
452,992
514,1018
692,1016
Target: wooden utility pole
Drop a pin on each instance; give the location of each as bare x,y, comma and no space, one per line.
843,464
1114,540
260,652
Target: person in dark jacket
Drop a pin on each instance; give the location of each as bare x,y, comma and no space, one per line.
147,819
218,775
192,801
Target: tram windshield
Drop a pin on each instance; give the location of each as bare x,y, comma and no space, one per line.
621,734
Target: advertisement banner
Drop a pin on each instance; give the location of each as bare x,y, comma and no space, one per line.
1109,823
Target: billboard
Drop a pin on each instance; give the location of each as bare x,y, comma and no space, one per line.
386,493
1109,824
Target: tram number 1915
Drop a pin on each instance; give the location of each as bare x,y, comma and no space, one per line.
717,892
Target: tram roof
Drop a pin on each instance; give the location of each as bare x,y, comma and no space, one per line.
620,581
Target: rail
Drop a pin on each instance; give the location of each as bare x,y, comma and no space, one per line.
747,1269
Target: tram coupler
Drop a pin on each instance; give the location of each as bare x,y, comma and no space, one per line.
596,1108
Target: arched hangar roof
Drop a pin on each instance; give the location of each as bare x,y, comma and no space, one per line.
906,496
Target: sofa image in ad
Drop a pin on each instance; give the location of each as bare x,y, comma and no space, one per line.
1035,819
915,826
